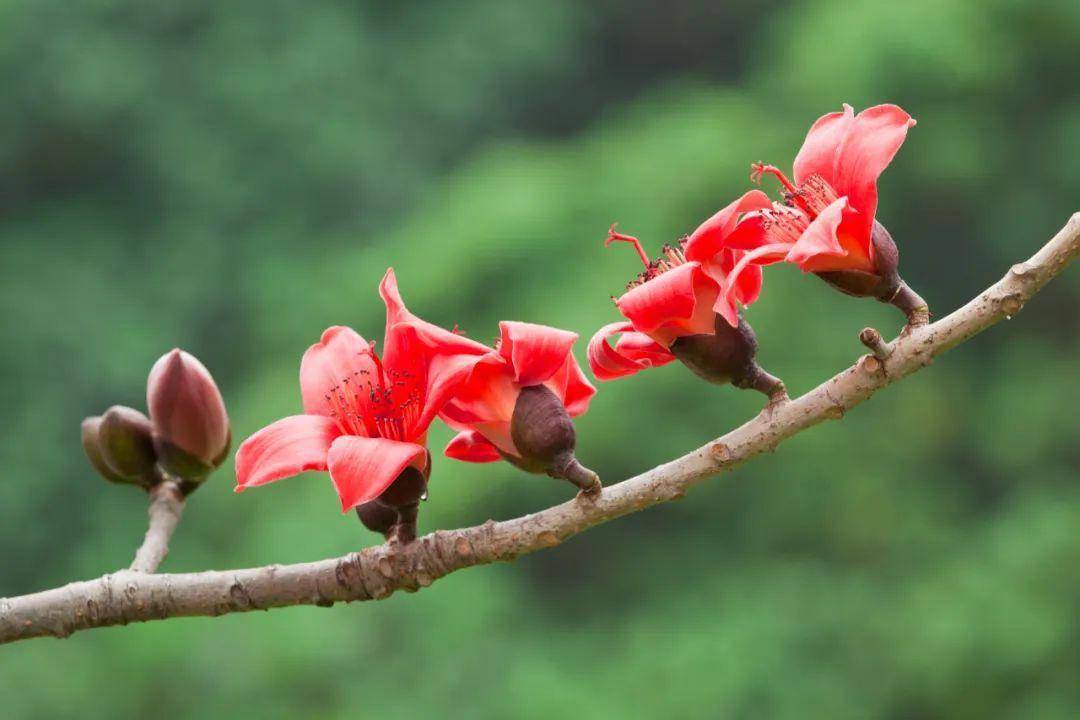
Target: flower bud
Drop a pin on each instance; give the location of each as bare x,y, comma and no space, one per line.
394,512
544,435
727,356
91,446
191,427
119,446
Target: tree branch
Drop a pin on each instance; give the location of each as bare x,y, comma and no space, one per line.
166,507
377,572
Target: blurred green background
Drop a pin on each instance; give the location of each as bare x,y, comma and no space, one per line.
233,177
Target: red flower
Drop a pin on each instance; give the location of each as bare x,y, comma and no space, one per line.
679,294
828,223
518,400
365,418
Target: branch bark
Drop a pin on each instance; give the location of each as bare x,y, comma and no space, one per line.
166,507
378,572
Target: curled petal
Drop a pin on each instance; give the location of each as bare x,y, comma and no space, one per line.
489,394
851,151
820,149
712,235
444,376
341,356
289,446
736,284
676,303
748,286
395,307
632,353
535,352
572,387
430,362
471,446
748,234
825,245
432,335
745,285
361,468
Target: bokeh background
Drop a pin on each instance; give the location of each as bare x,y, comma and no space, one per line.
233,177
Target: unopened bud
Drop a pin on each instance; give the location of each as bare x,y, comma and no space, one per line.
91,445
544,435
191,427
126,442
394,512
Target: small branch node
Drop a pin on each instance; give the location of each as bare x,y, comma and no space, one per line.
1011,304
872,339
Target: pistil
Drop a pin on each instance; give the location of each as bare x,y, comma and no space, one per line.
758,169
613,236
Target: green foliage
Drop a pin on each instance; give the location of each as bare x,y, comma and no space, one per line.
233,177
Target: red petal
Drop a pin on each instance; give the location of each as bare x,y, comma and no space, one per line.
745,285
432,361
736,284
851,152
535,352
748,285
489,394
572,387
471,446
671,305
820,148
712,235
289,446
748,234
340,355
432,335
821,247
361,468
632,353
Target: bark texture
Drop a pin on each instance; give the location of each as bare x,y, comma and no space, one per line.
378,572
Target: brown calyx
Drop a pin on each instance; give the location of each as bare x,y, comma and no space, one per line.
885,283
545,437
728,356
394,512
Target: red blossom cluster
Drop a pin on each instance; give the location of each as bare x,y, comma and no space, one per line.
684,306
366,413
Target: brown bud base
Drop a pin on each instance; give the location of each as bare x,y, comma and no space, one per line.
188,469
727,356
394,513
885,284
544,435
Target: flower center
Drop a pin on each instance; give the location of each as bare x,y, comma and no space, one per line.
385,403
671,256
783,224
813,196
